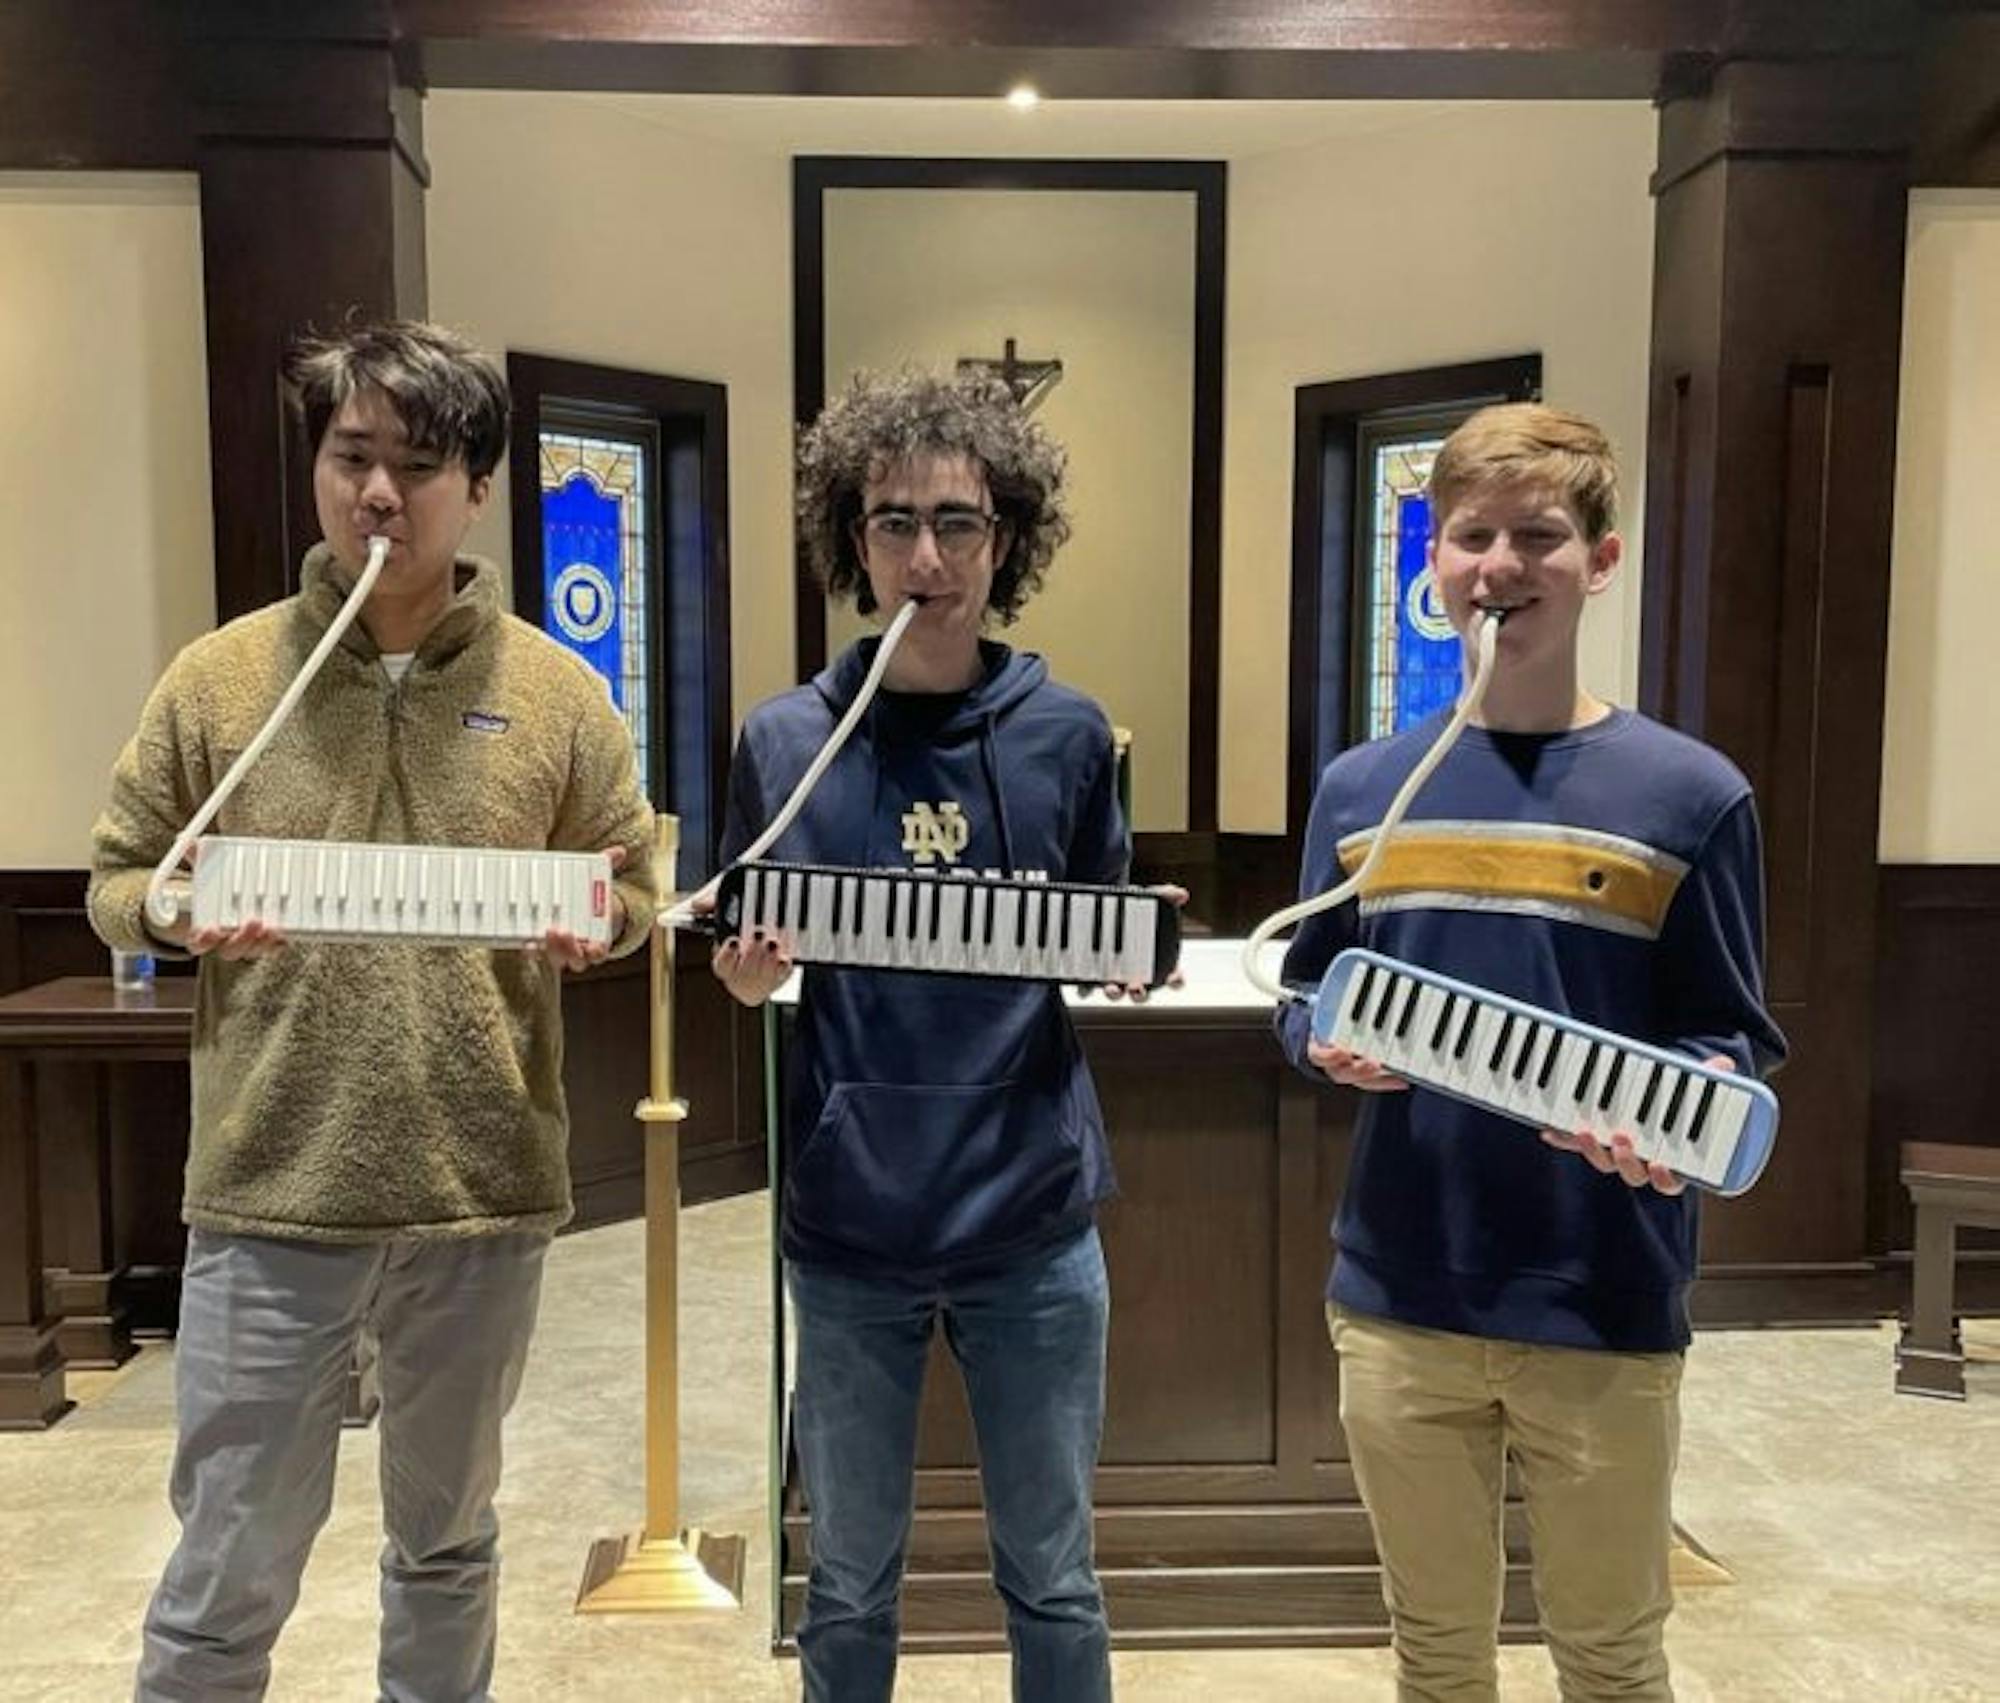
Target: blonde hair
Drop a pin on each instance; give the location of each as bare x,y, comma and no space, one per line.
1528,443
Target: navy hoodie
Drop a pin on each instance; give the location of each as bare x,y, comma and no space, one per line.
1611,873
936,1122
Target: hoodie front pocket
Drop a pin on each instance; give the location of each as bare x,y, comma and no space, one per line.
921,1173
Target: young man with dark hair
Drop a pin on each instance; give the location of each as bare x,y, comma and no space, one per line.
379,1135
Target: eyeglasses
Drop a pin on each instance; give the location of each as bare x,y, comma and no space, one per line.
959,532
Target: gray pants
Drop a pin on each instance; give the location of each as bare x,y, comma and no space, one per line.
266,1334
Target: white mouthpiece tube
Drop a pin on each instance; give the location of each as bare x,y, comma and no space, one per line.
683,914
1467,707
163,901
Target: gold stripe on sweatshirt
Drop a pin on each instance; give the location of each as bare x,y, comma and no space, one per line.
1605,880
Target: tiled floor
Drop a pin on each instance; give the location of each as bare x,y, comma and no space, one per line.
1863,1529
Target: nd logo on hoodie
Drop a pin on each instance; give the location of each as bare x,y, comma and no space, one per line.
935,1120
929,835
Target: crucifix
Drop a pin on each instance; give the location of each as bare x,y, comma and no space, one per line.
1029,381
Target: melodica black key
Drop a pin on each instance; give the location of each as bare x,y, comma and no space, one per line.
1053,931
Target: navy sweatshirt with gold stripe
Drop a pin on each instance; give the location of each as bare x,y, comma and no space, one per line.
1612,873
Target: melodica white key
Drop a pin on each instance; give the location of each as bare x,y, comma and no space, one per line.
889,919
431,895
1709,1126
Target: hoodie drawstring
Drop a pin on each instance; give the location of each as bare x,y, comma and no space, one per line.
989,758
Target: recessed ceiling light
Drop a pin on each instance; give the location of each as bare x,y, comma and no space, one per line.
1024,97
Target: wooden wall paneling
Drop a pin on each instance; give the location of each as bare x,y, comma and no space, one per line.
78,1239
31,1368
44,932
1958,114
1937,1072
1777,327
149,1115
312,178
98,86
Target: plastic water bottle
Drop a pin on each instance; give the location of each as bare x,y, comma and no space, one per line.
132,972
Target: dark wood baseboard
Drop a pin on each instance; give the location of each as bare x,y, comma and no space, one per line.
1209,1638
31,1378
1302,1534
1862,1293
1936,1072
1191,1608
721,1174
152,1296
96,1329
704,1177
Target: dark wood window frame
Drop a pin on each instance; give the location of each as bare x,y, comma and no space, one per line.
690,420
1207,181
1328,504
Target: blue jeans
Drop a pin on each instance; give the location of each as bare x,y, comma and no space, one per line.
1029,1339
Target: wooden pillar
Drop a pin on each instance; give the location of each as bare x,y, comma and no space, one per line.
1771,453
85,1272
32,1393
310,152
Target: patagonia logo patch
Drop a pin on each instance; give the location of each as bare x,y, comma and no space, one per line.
484,721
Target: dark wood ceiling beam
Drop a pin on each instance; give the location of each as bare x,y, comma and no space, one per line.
1958,119
1130,49
1514,26
1761,107
935,72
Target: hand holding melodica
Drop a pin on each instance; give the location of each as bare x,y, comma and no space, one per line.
1618,1157
1136,991
566,950
753,969
1351,1070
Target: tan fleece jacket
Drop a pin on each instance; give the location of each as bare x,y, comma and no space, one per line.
352,1093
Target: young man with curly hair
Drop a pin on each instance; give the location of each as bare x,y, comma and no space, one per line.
947,1151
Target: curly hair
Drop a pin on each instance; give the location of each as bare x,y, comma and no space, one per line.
881,421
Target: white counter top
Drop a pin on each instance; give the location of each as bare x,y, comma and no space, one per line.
1212,970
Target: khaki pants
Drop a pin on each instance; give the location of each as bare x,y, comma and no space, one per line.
1431,1419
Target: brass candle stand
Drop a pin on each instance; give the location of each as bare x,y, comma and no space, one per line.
662,1568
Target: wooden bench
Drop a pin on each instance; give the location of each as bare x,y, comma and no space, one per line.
1949,1186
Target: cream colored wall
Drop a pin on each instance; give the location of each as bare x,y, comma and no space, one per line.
106,551
1532,224
1497,230
1106,282
1940,782
568,226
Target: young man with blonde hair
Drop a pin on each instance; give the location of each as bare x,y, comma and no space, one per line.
1494,1296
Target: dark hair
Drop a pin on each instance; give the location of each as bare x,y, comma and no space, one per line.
450,395
881,421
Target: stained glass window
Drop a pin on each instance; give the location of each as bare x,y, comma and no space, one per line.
594,563
1410,663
